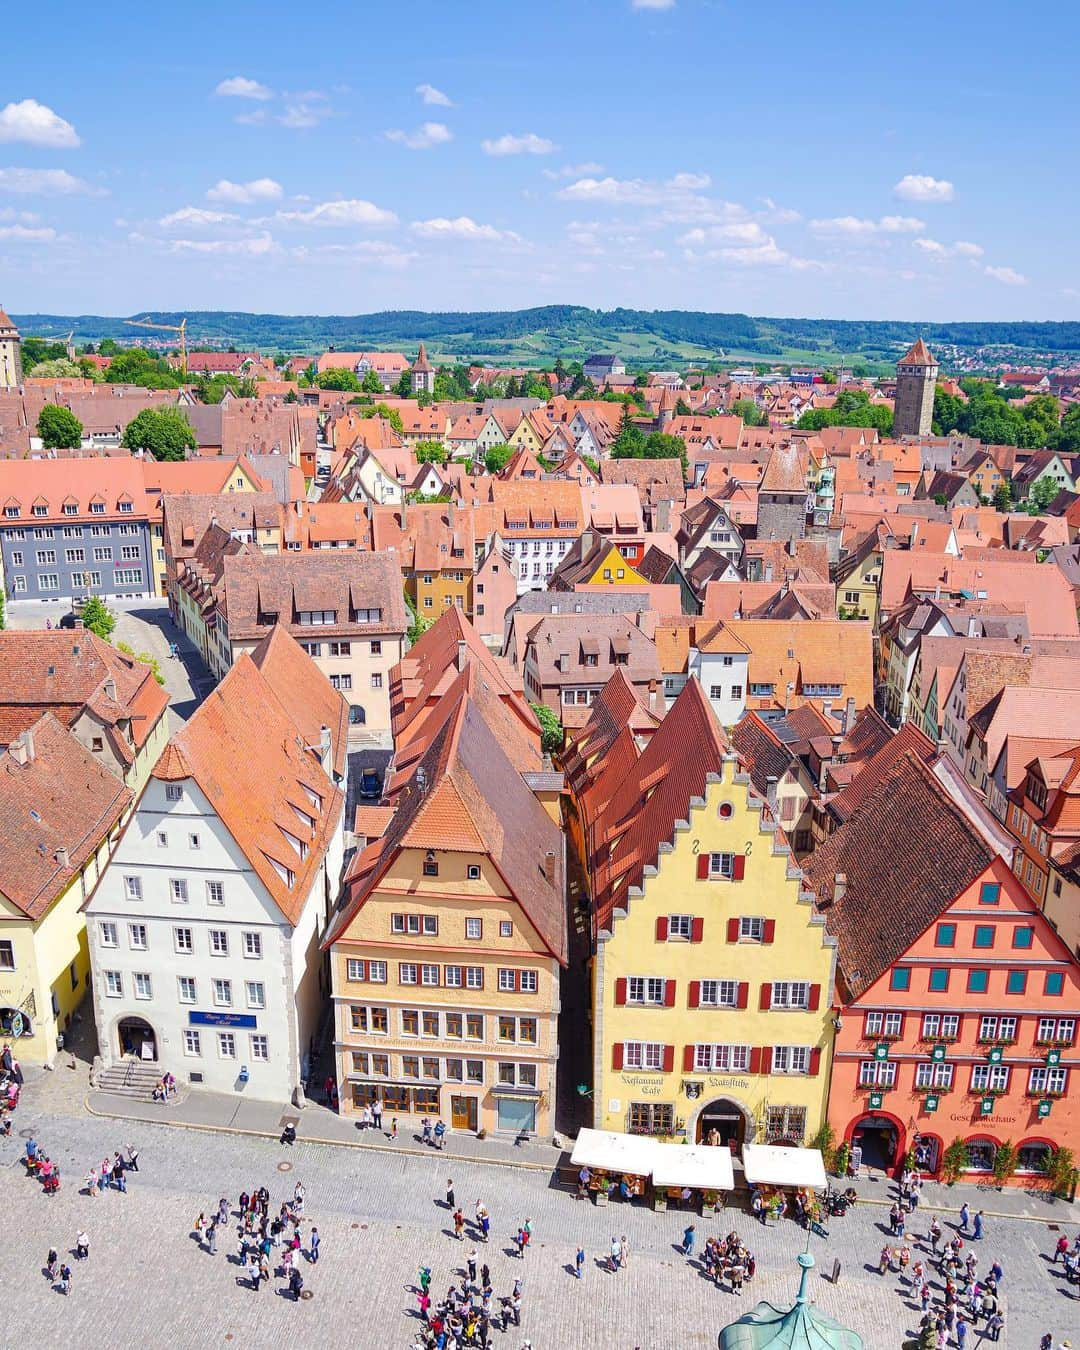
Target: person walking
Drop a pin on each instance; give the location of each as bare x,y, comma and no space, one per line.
965,1217
688,1237
934,1234
977,1229
132,1158
376,1114
961,1331
624,1251
440,1133
450,1203
92,1182
425,1131
52,1264
211,1238
459,1225
393,1130
470,1265
118,1175
64,1283
82,1246
613,1258
579,1261
313,1246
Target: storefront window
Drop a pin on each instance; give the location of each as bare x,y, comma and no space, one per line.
981,1154
786,1122
516,1114
1034,1158
651,1118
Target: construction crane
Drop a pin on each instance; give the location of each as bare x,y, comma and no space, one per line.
169,328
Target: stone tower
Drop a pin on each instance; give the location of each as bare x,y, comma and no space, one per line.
666,411
916,376
423,374
10,354
783,495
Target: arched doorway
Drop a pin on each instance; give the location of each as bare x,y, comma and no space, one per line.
722,1121
14,1022
928,1150
880,1138
137,1038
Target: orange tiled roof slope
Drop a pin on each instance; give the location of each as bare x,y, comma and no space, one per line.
57,805
909,740
311,701
918,354
248,755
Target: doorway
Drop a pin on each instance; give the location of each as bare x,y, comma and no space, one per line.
722,1121
877,1137
463,1113
137,1038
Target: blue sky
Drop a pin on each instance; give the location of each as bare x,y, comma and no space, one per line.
831,161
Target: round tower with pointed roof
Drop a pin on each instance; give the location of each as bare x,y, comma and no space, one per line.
10,353
916,379
423,373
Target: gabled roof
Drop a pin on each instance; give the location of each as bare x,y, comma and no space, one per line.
918,354
761,751
909,740
305,694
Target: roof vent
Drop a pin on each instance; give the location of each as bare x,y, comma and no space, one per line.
52,670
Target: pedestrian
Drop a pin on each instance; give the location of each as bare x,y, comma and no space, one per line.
519,1238
82,1246
624,1251
65,1279
688,1241
211,1238
613,1259
425,1131
515,1309
1062,1248
118,1175
459,1225
579,1261
376,1114
934,1234
393,1129
52,1263
977,1231
994,1325
758,1206
132,1158
965,1217
470,1265
296,1284
92,1182
424,1300
961,1331
450,1194
365,1119
313,1246
440,1133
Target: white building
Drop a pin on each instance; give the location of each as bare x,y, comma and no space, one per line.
721,661
204,931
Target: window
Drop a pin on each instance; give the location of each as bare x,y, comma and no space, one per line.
1054,983
900,978
226,1045
255,993
431,866
506,928
129,552
194,841
260,1048
474,928
1056,1030
74,555
215,892
721,1058
192,1043
507,981
46,556
376,648
453,977
990,893
643,1055
103,555
890,1024
127,576
429,975
133,888
474,977
651,1118
791,1059
1044,1080
680,926
407,972
507,1029
719,994
639,988
178,892
528,981
789,994
1016,982
410,1066
984,935
943,1026
946,935
472,872
222,993
722,865
978,981
340,648
997,1028
354,970
137,936
877,1073
751,929
183,941
1023,936
173,792
143,985
186,986
114,984
341,682
990,1078
376,972
929,1075
108,939
474,1070
219,942
939,980
253,945
376,680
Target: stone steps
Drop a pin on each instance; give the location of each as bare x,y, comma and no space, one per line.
131,1078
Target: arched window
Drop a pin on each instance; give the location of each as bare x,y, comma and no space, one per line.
981,1155
357,716
1034,1157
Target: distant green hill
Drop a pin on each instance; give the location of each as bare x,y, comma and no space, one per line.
573,332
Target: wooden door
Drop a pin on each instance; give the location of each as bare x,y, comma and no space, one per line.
463,1113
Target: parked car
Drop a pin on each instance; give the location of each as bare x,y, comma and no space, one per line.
370,783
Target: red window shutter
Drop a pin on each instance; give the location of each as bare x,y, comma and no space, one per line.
766,1059
695,994
744,994
815,1061
755,1059
661,929
616,1055
669,993
764,1003
620,993
703,867
688,1059
733,930
697,930
769,931
669,1058
815,997
739,867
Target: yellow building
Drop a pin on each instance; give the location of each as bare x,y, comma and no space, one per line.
712,979
857,581
446,953
62,814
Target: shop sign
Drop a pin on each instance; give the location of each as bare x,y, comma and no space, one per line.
986,1106
937,1054
1053,1058
995,1055
881,1051
875,1101
931,1103
1043,1109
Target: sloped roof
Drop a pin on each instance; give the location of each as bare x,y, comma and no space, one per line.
909,740
761,751
918,354
304,692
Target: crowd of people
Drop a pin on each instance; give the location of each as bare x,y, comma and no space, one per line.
266,1244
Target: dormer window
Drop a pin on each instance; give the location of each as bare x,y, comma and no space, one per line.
97,508
367,616
39,510
12,512
71,509
126,508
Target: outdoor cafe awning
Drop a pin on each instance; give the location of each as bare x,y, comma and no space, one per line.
696,1165
611,1151
772,1165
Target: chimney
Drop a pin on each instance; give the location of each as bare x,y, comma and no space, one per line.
22,748
300,509
325,745
63,857
839,887
110,688
586,541
770,793
849,716
653,700
461,650
549,867
768,571
663,516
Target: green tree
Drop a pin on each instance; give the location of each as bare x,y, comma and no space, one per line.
89,371
630,442
430,452
59,428
662,445
164,432
682,408
391,414
136,366
1041,495
108,347
403,388
948,410
552,734
418,625
1005,1160
1069,431
339,378
1062,1171
35,350
1042,428
954,1160
751,414
497,457
823,1142
59,368
3,609
1003,497
371,384
98,618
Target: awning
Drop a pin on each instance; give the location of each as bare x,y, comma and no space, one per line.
696,1165
776,1166
614,1152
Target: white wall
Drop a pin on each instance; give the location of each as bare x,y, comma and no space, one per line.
711,670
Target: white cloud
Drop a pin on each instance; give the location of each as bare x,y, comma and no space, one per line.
195,215
352,211
256,247
528,143
430,94
239,86
423,138
25,217
963,248
854,226
47,183
573,171
35,124
462,227
635,191
744,233
1008,276
920,187
779,215
241,194
652,4
26,234
305,112
966,249
372,251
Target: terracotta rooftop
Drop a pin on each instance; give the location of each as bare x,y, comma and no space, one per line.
918,354
909,740
305,693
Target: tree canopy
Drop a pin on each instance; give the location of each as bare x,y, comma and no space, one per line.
751,414
98,618
135,366
851,409
552,734
430,452
497,457
370,384
345,380
59,428
164,432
